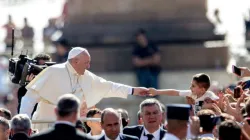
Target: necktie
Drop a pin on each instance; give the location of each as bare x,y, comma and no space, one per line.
150,136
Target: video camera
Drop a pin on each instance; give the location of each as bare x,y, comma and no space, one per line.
23,65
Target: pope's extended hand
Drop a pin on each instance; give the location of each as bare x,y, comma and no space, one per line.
140,91
152,92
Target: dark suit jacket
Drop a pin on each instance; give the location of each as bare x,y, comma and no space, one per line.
61,132
122,137
137,131
20,136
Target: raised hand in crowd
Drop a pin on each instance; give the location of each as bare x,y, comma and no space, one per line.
195,126
246,127
240,101
238,90
245,72
221,102
212,106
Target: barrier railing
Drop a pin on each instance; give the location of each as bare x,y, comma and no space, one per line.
52,121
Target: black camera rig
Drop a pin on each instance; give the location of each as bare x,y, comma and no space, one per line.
22,66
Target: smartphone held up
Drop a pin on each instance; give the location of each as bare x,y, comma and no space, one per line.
237,71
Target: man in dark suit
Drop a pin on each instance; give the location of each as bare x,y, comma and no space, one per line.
20,127
151,114
67,114
111,124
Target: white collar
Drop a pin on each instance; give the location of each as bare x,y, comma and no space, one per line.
156,134
169,136
71,69
117,138
207,135
65,122
102,133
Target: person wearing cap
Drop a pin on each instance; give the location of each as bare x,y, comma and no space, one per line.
177,117
71,77
196,95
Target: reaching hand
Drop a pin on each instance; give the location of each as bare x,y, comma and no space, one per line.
245,72
195,125
190,100
246,127
221,102
152,92
83,108
140,91
229,91
213,107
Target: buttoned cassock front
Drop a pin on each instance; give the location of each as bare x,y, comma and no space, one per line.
60,79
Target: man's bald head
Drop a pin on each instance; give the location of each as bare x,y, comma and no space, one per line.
109,111
110,122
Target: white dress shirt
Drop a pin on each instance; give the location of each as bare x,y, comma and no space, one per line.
169,136
210,135
60,79
96,136
156,134
117,138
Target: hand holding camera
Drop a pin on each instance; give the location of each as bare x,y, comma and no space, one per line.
30,77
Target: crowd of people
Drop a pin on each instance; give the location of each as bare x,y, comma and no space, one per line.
68,92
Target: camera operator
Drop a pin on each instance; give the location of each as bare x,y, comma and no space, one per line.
40,60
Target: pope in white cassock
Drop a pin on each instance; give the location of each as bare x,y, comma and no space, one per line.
70,77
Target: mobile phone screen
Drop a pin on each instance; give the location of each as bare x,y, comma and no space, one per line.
236,70
237,92
201,103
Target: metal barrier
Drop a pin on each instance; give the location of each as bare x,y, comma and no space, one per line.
52,121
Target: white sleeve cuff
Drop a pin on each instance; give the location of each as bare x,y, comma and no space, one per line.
130,91
185,93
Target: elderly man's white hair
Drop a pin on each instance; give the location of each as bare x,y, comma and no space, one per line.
76,51
21,123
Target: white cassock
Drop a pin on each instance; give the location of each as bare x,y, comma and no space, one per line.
60,79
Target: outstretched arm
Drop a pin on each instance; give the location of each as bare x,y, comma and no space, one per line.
113,89
169,92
